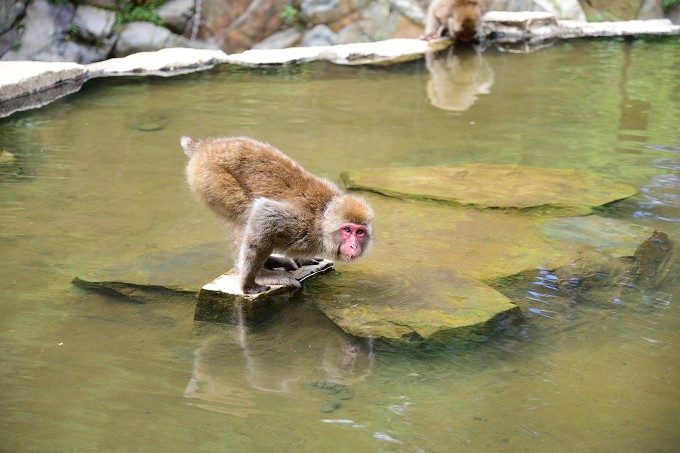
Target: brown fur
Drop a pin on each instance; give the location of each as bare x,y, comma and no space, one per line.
271,204
456,19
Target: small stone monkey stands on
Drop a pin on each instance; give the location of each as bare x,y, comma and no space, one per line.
272,205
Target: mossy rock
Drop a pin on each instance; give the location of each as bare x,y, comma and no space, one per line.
489,186
184,270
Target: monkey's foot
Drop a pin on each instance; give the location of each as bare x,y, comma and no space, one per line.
308,262
255,289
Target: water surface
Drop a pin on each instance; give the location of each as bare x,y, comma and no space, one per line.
99,180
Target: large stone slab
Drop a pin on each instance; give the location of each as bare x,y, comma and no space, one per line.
389,51
21,78
164,62
508,26
182,270
393,308
579,29
26,85
489,186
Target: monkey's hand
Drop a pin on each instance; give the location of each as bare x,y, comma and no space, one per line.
287,264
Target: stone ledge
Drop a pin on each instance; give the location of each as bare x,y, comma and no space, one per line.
21,79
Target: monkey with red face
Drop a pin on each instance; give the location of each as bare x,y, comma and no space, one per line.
273,205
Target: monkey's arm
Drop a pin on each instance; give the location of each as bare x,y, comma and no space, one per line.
432,24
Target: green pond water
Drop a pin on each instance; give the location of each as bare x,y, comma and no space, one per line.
99,181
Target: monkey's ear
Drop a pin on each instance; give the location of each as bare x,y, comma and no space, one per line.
188,144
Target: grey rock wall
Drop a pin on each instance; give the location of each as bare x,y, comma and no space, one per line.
45,30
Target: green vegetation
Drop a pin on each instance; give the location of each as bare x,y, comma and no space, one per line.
138,10
668,4
291,15
72,32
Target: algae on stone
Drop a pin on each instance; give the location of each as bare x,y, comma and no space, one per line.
184,270
389,307
492,186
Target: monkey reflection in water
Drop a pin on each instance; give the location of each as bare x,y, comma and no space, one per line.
272,205
457,76
296,348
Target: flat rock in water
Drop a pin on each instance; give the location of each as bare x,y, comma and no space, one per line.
183,270
445,281
395,309
493,186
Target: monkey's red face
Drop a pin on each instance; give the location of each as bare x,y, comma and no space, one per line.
353,237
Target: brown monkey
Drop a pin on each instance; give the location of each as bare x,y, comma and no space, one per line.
273,205
457,19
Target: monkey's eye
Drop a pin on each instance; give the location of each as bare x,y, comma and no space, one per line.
361,232
347,229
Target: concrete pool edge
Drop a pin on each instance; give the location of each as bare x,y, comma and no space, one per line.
26,85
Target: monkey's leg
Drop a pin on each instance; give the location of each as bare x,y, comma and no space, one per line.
431,25
264,231
250,262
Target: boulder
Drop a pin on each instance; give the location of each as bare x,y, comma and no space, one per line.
176,14
10,10
611,10
327,11
411,9
44,27
93,24
238,24
320,35
489,186
145,36
282,39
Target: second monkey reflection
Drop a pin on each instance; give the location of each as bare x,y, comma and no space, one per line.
457,77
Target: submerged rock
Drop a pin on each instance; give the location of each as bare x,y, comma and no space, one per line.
7,157
328,407
493,186
144,278
340,391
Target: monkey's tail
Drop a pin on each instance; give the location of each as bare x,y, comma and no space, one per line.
189,145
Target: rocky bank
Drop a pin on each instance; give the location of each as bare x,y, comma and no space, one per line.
94,30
